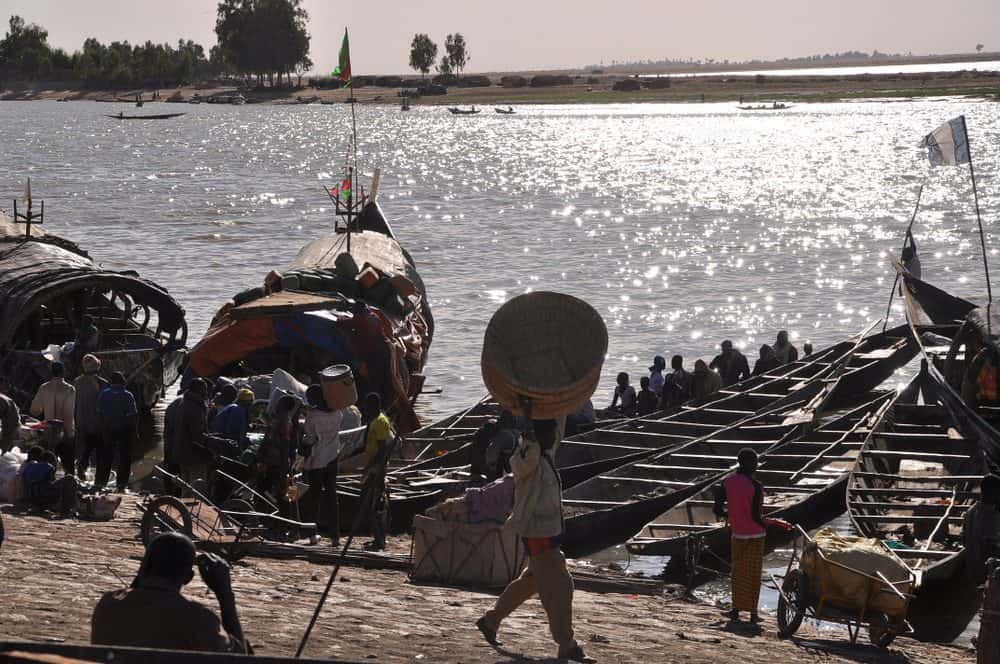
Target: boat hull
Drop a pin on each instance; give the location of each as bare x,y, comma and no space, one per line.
48,285
383,331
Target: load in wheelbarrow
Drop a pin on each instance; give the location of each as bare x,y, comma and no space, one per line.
853,581
244,519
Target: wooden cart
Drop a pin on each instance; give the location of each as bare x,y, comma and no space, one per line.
228,529
877,602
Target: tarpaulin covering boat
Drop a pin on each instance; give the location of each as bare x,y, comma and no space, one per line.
348,298
48,286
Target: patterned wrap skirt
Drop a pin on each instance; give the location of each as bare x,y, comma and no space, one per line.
748,564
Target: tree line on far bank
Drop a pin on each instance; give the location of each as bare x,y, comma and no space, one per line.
258,40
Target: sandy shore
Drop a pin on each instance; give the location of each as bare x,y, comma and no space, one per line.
752,89
55,571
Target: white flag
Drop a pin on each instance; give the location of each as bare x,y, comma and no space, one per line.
948,144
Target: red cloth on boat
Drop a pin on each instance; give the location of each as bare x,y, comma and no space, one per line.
229,341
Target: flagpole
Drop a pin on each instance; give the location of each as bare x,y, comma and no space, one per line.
906,238
982,237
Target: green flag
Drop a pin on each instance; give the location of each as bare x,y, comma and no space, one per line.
343,70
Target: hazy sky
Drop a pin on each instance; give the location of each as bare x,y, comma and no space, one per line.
539,34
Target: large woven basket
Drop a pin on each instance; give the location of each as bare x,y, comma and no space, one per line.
548,347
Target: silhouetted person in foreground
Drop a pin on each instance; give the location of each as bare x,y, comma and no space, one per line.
152,612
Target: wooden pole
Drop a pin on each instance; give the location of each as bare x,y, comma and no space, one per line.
988,644
906,239
982,237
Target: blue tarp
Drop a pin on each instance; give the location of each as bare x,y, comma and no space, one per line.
318,329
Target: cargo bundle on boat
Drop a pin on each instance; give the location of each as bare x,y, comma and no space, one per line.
48,288
353,297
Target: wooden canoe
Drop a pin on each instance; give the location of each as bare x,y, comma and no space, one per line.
382,328
47,285
804,481
915,479
877,357
160,116
939,306
613,507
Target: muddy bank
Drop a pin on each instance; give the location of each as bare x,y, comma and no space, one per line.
55,571
587,89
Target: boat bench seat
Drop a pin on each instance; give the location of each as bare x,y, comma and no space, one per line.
888,518
915,456
924,479
643,480
682,526
916,493
906,507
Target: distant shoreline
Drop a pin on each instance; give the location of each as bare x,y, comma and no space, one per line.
587,89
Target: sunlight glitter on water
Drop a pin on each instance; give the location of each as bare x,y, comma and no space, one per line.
604,202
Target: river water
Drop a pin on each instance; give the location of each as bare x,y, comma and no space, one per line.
683,224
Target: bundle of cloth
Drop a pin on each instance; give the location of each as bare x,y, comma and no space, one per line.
491,502
10,475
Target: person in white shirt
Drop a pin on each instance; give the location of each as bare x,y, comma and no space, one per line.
321,449
56,400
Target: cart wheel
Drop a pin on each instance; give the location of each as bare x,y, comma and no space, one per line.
792,611
165,514
880,630
240,505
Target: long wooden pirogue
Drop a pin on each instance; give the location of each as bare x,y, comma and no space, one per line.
804,481
606,447
48,285
913,482
612,507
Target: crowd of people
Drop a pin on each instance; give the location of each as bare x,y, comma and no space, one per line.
93,423
661,391
295,434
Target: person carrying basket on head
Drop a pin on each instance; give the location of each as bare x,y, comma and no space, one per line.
538,519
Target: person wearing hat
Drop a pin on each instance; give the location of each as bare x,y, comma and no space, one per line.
54,402
89,440
233,418
119,416
656,375
731,364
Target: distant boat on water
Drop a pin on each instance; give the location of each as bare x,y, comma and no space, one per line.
505,111
773,106
455,110
162,116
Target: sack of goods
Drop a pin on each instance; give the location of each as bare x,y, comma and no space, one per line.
546,347
843,569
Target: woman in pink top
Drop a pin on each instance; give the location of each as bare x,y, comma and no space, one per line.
745,497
